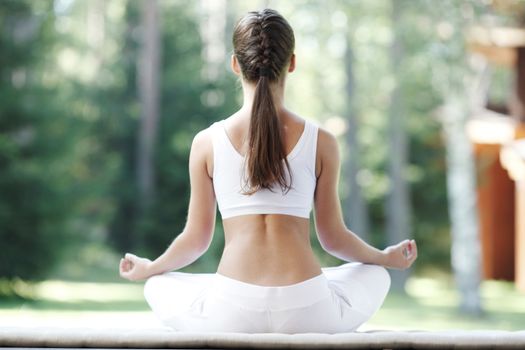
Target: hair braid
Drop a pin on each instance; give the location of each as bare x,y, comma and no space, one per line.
263,44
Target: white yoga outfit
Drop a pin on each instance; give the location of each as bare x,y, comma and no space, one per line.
229,175
339,300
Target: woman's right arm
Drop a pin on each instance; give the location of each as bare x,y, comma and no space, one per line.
333,234
200,223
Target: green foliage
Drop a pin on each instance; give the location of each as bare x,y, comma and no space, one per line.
69,118
35,145
184,111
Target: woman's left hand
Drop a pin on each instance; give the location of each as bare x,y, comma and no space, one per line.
402,255
135,268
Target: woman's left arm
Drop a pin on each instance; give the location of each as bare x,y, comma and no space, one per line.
200,224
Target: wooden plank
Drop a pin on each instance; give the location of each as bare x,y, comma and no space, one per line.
513,159
504,56
489,127
520,235
504,37
496,210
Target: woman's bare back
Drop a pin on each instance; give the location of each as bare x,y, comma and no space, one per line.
267,249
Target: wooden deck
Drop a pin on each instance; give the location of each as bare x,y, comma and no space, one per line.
26,337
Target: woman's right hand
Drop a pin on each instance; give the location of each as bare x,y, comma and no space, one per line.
400,256
134,268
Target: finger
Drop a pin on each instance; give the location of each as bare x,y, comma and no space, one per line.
413,258
405,249
127,270
125,274
128,265
405,252
414,247
122,272
131,257
124,265
131,260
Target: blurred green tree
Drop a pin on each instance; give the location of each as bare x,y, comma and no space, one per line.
36,138
70,117
189,102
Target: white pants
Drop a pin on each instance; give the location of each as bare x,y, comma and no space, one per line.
339,300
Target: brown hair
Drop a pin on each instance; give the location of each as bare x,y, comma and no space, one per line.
263,43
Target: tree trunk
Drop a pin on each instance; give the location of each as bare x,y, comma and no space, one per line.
212,23
465,254
148,88
461,92
461,181
356,208
398,200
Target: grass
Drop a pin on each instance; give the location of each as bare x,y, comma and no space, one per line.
430,304
59,296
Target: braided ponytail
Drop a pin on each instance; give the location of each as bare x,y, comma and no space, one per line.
263,44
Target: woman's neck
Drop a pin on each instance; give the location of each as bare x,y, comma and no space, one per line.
249,92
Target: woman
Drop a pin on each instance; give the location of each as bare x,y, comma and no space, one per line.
265,166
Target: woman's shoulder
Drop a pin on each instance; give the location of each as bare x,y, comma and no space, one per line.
327,145
325,138
203,136
206,135
203,139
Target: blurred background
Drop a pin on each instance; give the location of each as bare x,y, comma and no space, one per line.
100,100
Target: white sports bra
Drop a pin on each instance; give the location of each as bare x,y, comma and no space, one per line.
228,167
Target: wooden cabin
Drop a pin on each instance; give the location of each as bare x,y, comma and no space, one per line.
493,131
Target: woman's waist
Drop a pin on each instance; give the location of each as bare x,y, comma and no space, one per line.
268,265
